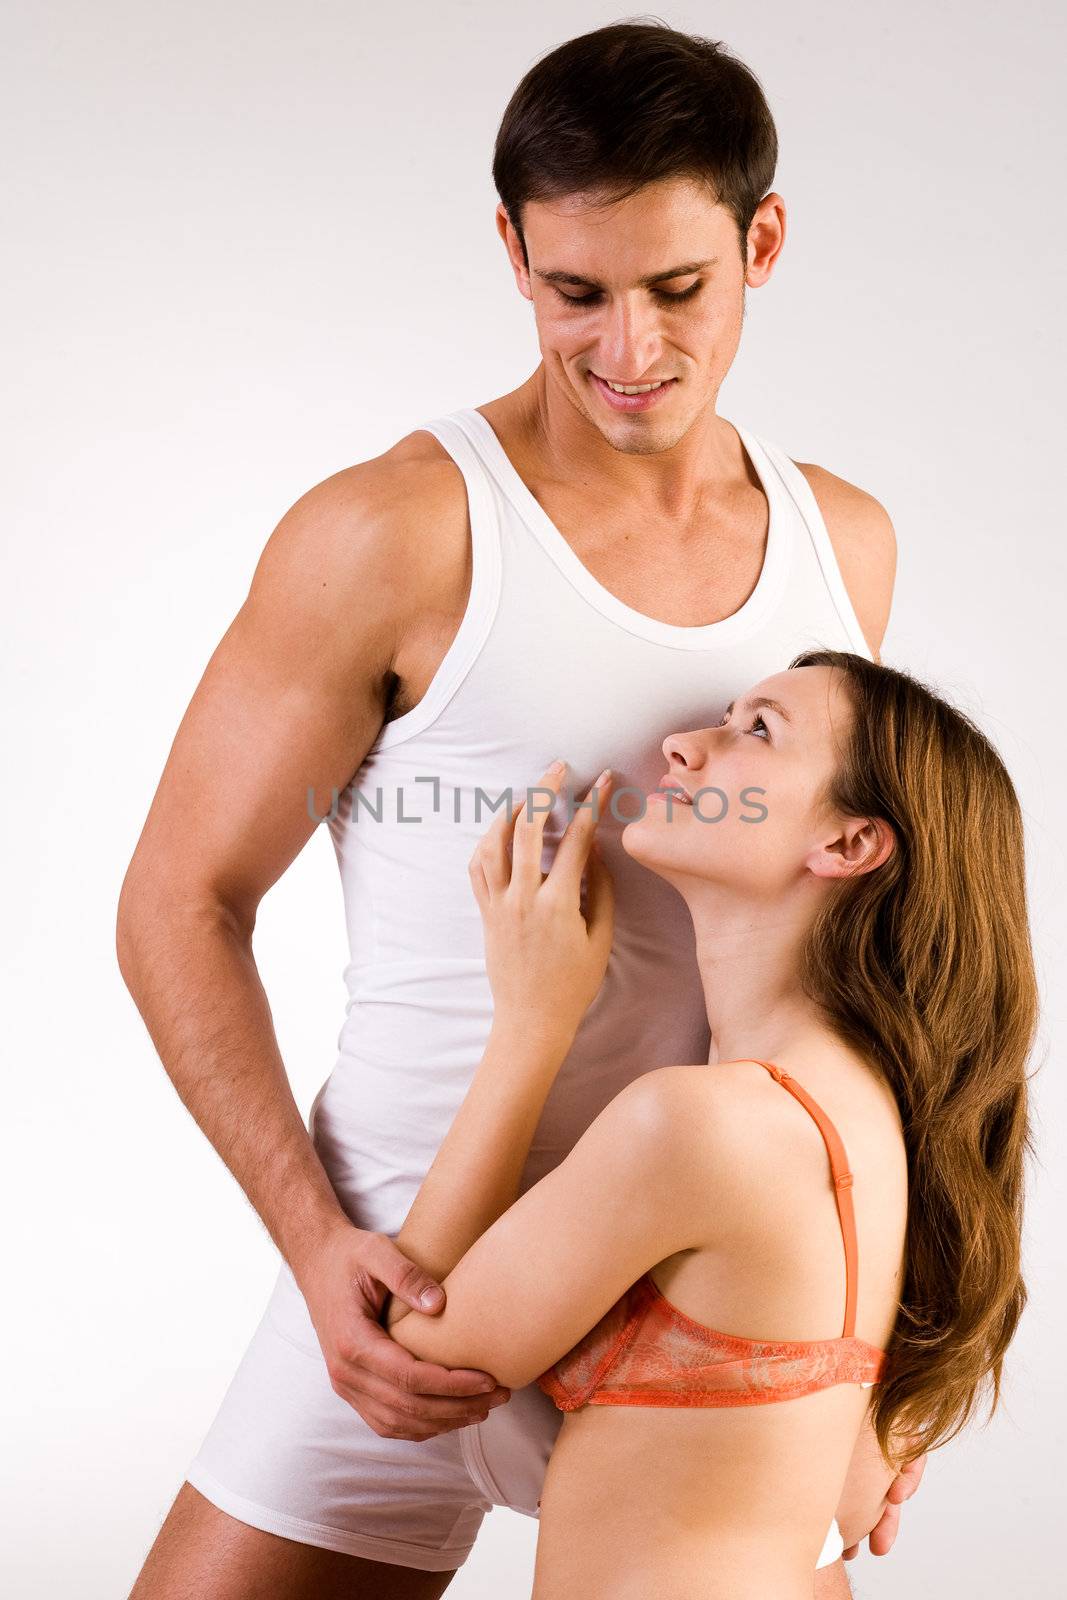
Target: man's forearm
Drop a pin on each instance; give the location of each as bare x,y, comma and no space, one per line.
194,980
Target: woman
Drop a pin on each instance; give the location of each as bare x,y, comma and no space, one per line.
839,1186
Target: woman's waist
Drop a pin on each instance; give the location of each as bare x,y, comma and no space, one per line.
755,1491
630,1543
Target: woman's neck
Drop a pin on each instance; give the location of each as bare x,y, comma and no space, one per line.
749,956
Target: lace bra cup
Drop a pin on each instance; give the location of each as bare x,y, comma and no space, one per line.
644,1351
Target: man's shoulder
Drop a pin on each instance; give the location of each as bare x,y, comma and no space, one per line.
404,488
397,519
855,512
864,541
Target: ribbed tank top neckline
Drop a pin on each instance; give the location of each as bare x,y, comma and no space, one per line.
728,630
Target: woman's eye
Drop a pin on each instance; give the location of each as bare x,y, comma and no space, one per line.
757,722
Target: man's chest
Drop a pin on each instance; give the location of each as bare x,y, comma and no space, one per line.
687,575
685,572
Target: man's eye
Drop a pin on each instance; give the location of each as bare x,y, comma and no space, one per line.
659,294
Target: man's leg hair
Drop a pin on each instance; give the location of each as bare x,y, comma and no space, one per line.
201,1551
831,1583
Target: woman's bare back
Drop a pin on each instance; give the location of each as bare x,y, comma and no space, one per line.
738,1500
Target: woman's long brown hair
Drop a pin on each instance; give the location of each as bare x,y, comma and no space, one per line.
924,965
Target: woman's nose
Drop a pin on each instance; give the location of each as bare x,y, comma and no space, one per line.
683,748
692,749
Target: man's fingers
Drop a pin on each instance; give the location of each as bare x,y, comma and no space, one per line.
365,1390
851,1553
387,1421
885,1531
907,1481
383,1261
377,1352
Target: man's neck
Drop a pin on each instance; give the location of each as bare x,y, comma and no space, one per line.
551,440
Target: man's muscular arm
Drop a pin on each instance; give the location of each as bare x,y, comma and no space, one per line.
291,700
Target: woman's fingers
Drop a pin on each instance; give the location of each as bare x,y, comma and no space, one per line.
528,837
491,865
600,901
572,851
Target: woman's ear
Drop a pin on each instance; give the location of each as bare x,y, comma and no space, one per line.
859,845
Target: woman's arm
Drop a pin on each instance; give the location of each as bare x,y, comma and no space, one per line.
476,1173
529,1278
546,962
632,1192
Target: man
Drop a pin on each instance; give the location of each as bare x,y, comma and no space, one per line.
575,569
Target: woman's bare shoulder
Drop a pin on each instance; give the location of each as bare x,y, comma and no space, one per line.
730,1126
714,1123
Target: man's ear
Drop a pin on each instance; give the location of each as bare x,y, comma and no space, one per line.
858,845
515,248
766,236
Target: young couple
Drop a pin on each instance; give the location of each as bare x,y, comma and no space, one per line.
718,1158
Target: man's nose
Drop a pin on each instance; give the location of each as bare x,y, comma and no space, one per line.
631,341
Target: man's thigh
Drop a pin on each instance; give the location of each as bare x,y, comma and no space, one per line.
831,1582
201,1550
287,1456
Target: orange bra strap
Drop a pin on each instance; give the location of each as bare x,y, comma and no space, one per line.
842,1186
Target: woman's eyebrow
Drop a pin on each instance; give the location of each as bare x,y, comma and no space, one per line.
759,702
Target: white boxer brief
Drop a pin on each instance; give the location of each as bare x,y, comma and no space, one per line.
287,1454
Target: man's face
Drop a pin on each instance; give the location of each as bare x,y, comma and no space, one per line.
598,319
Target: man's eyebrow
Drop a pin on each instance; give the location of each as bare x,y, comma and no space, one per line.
642,283
758,703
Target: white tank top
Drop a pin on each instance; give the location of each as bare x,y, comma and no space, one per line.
546,663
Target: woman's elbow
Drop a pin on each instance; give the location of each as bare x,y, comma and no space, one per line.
429,1338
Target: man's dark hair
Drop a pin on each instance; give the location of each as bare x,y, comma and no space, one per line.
626,105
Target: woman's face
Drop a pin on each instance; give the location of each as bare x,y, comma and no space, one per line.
764,770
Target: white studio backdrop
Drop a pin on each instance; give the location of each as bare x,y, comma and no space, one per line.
249,245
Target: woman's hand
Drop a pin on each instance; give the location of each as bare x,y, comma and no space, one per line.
545,960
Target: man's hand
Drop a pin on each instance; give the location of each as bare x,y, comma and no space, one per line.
345,1284
884,1531
872,1497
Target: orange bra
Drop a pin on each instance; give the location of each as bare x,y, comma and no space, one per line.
644,1351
